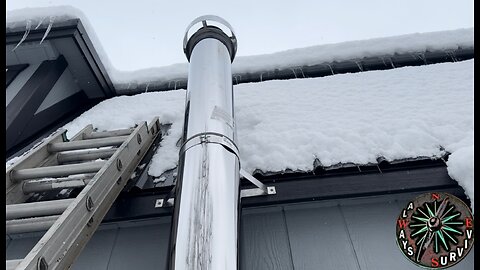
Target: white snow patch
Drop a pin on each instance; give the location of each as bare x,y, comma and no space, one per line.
460,167
158,180
126,111
399,113
388,46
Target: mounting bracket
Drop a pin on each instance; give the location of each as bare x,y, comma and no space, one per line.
260,190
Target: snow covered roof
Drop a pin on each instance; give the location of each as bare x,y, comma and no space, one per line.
400,113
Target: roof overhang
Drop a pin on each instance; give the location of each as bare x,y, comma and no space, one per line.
68,38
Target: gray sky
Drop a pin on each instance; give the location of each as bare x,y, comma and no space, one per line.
146,33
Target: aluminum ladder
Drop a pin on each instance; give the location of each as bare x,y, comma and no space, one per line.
98,162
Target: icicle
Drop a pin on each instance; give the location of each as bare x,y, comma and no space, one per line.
359,65
421,56
27,31
383,60
331,69
391,62
452,55
40,23
52,19
301,70
294,73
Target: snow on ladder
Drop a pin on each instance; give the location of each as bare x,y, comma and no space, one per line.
57,164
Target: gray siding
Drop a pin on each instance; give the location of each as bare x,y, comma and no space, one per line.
319,238
346,234
264,240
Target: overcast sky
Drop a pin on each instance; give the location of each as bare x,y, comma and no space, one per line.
147,33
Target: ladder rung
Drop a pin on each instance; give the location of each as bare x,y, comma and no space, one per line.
85,155
36,209
56,183
56,171
85,144
30,224
105,134
11,264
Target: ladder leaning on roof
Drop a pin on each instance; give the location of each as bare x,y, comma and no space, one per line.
71,222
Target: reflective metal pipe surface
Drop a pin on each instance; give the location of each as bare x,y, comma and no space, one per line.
206,212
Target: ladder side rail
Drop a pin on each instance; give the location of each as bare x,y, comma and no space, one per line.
11,264
32,158
111,133
64,241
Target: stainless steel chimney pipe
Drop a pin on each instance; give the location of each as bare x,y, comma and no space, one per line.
206,212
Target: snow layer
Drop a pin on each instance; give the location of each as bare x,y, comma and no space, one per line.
399,113
460,168
417,42
125,111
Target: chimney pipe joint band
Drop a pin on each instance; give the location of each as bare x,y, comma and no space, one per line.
210,137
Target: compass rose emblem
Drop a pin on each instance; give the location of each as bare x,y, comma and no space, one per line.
435,230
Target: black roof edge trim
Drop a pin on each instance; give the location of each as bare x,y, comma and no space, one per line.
381,62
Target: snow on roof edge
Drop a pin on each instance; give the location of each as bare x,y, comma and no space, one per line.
409,43
39,17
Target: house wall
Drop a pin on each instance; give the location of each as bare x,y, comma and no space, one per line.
337,234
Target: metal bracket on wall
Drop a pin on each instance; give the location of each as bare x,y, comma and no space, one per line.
260,190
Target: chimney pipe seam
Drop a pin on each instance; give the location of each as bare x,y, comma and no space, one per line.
210,137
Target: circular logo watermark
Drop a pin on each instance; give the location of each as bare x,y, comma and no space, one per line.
435,230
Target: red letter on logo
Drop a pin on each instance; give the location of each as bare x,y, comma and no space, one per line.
402,223
435,196
468,223
434,262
